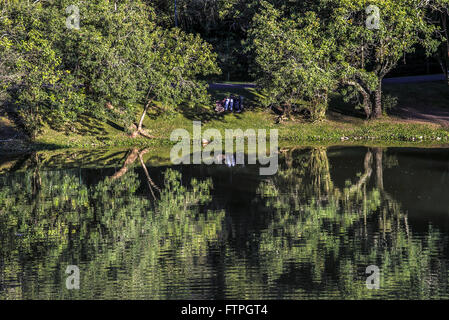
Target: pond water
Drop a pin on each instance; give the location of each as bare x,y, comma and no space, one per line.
138,229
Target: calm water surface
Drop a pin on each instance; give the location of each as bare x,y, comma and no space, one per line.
138,230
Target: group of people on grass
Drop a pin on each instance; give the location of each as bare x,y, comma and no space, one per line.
232,103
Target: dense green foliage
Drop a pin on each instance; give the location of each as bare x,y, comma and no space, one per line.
370,54
41,88
118,59
300,50
306,52
294,60
126,56
439,15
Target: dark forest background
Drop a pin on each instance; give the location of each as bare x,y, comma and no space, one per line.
224,24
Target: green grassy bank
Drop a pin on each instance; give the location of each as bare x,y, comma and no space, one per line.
343,125
327,132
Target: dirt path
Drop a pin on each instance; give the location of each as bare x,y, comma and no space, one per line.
224,86
9,132
428,114
416,79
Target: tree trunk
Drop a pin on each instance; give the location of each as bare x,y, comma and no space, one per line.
366,104
367,107
445,63
377,102
139,127
37,181
150,182
379,168
366,176
129,160
446,74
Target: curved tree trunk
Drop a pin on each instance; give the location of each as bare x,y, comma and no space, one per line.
150,182
140,129
367,106
367,163
145,110
132,156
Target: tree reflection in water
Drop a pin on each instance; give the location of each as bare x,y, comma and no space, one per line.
299,234
116,235
330,235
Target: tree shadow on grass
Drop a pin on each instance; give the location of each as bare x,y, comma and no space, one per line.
202,114
339,109
115,126
87,125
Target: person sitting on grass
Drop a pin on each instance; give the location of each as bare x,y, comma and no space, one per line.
237,104
231,103
219,105
227,102
241,103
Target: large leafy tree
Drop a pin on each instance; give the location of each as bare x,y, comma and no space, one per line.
294,58
126,60
357,42
118,57
374,36
41,89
